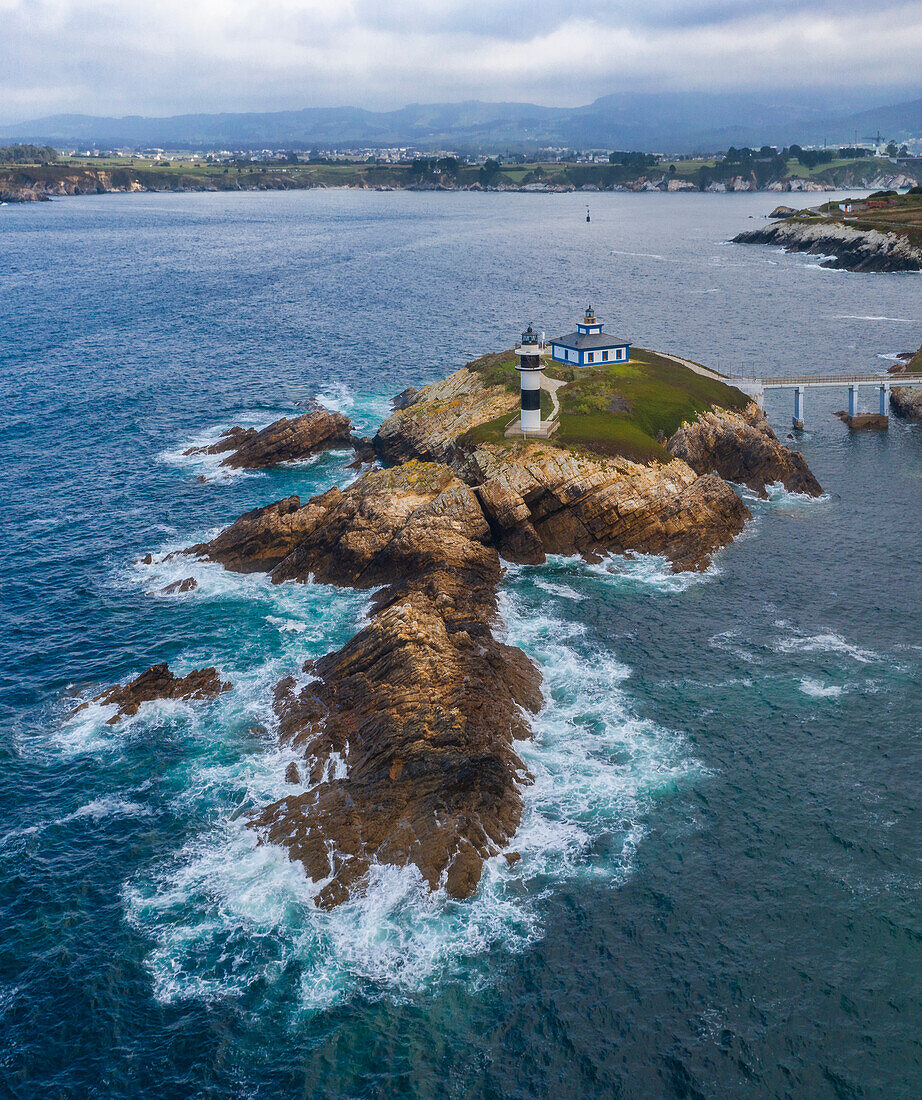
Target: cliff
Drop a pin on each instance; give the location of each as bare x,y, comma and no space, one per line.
741,447
845,246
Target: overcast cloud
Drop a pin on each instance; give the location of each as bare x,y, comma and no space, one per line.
156,57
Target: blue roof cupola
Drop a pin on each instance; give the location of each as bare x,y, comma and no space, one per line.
589,323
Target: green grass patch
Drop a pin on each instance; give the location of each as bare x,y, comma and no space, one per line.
497,369
632,409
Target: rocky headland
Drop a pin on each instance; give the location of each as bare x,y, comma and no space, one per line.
845,247
405,737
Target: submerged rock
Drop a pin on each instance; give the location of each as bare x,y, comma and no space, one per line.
741,447
158,682
285,440
185,585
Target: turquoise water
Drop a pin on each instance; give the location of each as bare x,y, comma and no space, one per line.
720,883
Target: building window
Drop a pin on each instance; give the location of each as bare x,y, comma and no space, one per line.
604,355
591,356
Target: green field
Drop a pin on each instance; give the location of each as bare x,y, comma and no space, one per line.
628,409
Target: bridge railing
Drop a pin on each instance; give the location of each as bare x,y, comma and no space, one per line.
827,379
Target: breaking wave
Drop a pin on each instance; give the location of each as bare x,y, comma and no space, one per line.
226,913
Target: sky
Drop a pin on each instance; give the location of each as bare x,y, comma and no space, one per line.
159,57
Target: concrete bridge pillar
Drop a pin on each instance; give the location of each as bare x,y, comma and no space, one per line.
799,407
852,400
885,399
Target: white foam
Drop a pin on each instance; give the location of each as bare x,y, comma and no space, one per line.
225,913
823,643
780,499
648,571
563,590
109,805
337,397
228,912
818,690
862,317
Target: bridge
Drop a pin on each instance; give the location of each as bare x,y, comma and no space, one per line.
756,388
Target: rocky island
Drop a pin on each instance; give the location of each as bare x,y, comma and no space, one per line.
405,737
881,233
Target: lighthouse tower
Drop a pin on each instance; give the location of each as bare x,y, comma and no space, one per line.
531,370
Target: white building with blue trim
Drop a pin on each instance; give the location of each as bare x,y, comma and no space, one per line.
589,346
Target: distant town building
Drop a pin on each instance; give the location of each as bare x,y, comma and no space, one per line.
589,345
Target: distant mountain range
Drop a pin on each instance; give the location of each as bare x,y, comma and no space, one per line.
665,122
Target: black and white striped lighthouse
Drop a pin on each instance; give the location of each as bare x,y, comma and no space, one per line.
531,369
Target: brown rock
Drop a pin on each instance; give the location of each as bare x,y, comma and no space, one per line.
179,586
423,704
158,682
589,504
867,422
741,447
405,398
283,441
260,539
441,412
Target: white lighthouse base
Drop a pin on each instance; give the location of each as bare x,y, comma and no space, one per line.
546,428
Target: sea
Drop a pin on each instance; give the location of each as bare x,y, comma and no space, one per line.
720,889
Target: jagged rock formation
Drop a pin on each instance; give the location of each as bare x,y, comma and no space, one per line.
851,249
283,441
430,427
543,500
741,447
405,398
158,682
421,706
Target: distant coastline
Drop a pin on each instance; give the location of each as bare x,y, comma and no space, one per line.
20,183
